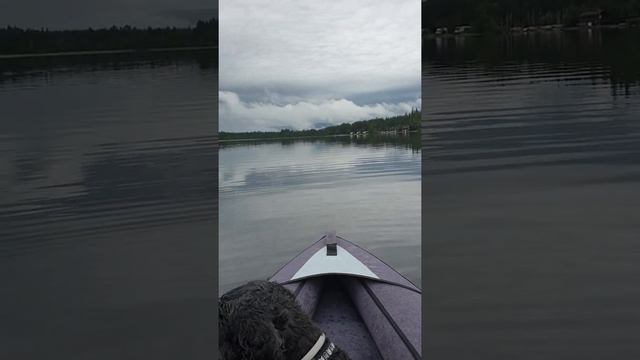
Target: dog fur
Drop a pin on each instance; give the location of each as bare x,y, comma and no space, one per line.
261,320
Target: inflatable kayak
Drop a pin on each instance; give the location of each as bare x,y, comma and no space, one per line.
363,305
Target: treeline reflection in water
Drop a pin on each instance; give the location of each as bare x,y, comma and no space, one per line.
531,168
532,99
409,141
108,205
16,68
600,55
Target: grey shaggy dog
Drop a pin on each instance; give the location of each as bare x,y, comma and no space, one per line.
261,320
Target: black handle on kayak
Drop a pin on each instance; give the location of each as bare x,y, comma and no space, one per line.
332,243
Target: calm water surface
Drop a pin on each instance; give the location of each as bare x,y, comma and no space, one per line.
108,207
531,173
276,198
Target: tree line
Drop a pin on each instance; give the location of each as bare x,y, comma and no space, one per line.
14,40
409,122
494,15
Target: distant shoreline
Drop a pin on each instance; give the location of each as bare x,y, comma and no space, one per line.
379,126
284,138
105,52
305,137
529,30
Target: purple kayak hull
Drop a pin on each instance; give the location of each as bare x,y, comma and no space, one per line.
375,314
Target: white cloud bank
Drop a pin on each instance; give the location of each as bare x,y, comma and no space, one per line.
237,115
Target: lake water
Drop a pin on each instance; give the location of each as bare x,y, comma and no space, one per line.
108,186
278,197
531,184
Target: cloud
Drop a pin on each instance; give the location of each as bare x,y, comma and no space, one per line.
238,115
314,56
349,46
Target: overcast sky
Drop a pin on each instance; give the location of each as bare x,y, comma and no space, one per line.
79,14
307,64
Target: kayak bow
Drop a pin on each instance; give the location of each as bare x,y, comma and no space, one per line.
365,306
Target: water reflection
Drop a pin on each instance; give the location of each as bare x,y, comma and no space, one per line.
108,211
607,55
528,101
42,68
531,148
410,141
277,197
118,187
